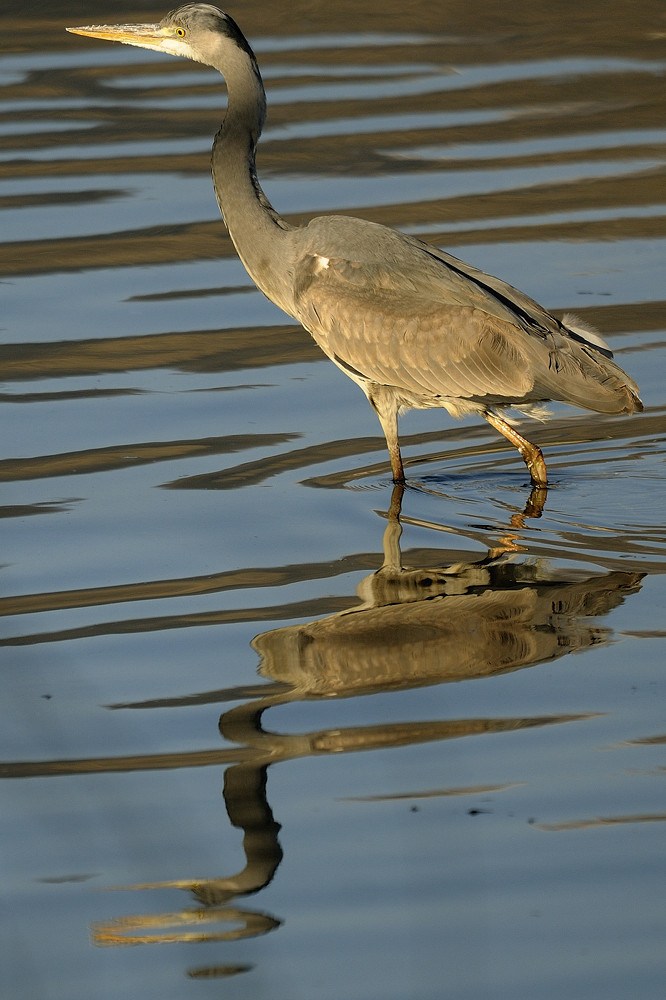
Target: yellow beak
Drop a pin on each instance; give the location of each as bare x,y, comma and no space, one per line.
146,36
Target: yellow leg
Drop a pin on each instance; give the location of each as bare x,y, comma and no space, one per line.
532,455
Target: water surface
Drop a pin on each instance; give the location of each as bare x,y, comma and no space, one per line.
315,736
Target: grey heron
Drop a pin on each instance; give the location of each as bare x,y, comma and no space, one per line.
413,326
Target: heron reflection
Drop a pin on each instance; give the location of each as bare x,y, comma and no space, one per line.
424,626
411,627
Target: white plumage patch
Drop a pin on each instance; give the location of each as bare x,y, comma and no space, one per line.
585,331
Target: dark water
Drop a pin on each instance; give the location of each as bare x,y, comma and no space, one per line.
467,796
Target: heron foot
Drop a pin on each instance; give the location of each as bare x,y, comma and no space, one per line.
531,454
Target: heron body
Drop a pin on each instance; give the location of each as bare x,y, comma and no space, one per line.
412,325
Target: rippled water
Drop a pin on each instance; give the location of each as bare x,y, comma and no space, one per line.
206,570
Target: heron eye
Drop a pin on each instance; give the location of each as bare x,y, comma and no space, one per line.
180,32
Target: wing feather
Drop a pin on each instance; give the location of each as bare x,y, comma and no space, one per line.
404,339
396,312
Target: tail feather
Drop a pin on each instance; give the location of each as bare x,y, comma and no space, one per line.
581,372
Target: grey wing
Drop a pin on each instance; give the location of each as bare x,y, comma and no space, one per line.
497,297
394,335
566,360
373,255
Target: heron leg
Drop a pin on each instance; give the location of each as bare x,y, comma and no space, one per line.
532,455
386,409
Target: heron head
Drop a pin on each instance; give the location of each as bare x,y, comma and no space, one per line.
193,31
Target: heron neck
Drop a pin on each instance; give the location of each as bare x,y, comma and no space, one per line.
257,231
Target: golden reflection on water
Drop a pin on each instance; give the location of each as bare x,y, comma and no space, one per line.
586,824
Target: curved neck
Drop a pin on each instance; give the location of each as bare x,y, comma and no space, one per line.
256,229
